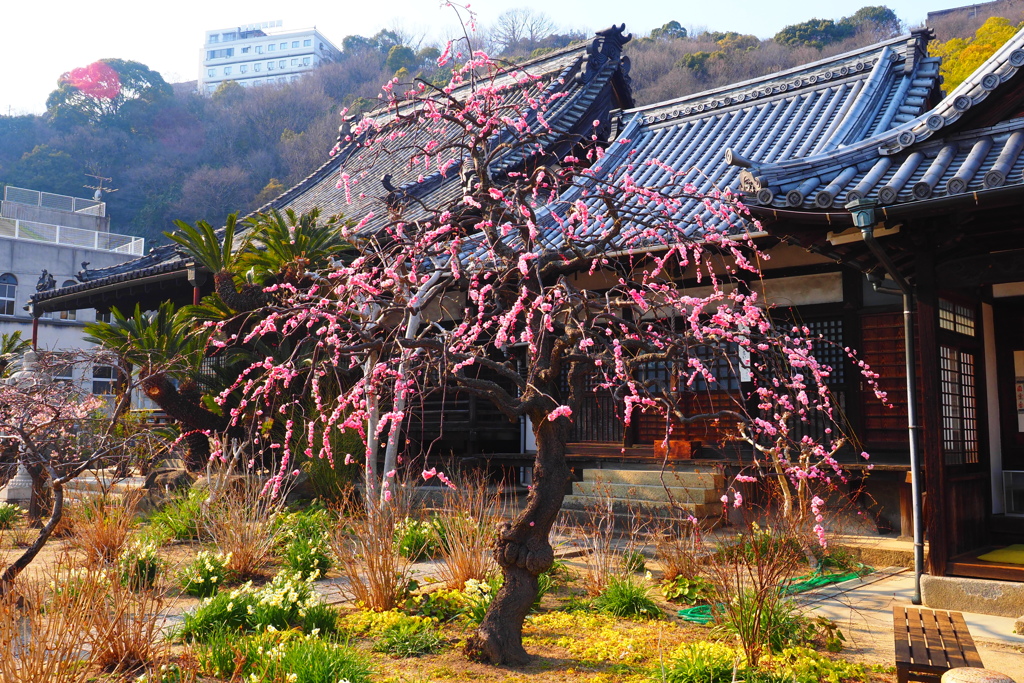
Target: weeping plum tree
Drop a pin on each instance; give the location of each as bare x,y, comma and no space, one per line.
531,289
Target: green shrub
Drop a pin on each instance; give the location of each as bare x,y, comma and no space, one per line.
308,555
701,662
634,562
305,536
179,519
222,652
283,603
287,602
687,590
311,660
205,574
224,612
409,639
280,656
372,624
320,619
780,625
314,521
803,665
138,565
443,605
419,539
627,597
479,595
9,514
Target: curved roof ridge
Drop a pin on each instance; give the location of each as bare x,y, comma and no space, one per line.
983,82
901,40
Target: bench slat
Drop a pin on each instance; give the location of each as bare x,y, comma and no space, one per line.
967,646
899,624
918,647
952,648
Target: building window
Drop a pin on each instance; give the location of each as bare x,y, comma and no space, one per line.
321,46
281,63
308,42
211,72
284,46
295,62
73,314
103,317
227,71
959,406
271,47
259,49
270,66
956,317
229,36
8,293
243,69
214,39
305,61
295,78
104,377
245,50
295,43
257,82
64,372
256,67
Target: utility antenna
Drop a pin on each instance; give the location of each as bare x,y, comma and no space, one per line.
98,187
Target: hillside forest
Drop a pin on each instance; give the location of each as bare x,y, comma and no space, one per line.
175,154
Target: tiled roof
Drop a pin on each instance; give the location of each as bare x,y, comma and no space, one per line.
809,111
593,76
928,157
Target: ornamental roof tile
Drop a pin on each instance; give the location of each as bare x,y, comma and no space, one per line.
933,155
812,111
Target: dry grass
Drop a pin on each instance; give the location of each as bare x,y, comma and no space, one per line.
242,522
41,644
127,633
677,548
368,557
101,526
468,523
603,543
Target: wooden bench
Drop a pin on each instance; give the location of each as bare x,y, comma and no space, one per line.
930,642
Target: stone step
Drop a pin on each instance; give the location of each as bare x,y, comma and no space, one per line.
92,485
627,506
680,494
708,479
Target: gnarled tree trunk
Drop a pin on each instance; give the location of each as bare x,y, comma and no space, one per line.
523,551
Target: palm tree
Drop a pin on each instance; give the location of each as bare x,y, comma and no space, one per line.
12,347
166,351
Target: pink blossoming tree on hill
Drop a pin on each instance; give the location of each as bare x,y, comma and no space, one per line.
529,290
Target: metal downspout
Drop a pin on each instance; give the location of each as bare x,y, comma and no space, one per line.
864,218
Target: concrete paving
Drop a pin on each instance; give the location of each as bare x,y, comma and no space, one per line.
862,608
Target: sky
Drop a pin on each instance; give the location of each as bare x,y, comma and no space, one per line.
42,41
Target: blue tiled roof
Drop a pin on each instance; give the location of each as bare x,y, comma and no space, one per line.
933,155
808,112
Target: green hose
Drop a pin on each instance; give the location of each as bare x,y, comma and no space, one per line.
704,614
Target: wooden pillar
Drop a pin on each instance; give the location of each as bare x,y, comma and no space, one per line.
936,521
197,277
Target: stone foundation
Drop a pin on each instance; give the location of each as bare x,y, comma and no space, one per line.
981,596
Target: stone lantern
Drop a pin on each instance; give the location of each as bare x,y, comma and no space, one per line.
19,490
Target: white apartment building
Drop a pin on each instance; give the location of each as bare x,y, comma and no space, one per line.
261,54
51,240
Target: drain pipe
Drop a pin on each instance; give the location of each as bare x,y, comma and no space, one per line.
864,218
